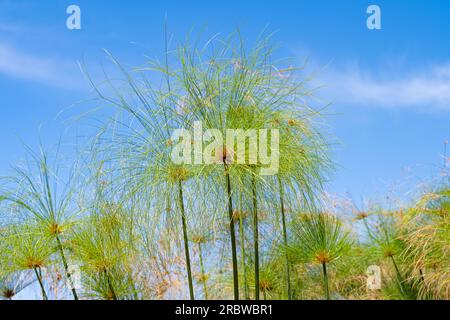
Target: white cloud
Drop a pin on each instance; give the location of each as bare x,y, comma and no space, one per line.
428,90
54,72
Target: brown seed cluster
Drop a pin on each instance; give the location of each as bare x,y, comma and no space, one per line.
388,253
33,263
8,293
178,174
265,285
323,257
199,239
55,229
239,214
361,216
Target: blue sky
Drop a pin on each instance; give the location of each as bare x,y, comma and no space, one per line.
390,88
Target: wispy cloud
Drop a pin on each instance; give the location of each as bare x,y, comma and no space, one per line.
428,90
49,71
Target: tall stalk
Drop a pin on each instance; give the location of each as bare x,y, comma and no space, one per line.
38,274
202,269
400,279
66,267
325,281
255,236
397,270
186,241
232,233
283,220
244,267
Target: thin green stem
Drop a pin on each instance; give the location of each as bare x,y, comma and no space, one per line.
400,278
202,268
41,284
186,241
66,267
397,270
325,282
255,237
244,267
232,234
283,220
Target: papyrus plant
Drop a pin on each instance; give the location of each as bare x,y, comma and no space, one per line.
27,248
43,195
319,238
227,85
